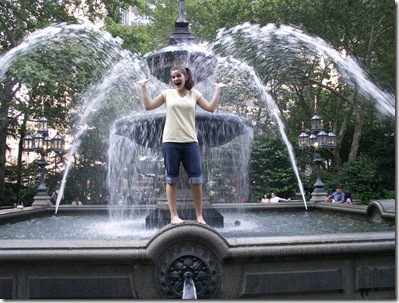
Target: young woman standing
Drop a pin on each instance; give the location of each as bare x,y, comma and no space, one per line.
179,140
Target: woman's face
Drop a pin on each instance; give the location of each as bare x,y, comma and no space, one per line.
178,78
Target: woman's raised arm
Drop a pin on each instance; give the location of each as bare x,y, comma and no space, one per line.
149,103
211,106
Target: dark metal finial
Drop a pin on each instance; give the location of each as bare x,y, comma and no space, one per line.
182,17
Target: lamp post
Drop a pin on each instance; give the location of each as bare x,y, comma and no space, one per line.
42,144
317,140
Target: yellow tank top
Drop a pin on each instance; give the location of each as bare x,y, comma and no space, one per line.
180,116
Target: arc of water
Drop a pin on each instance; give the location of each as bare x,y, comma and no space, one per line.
349,67
291,40
54,34
45,36
259,89
92,101
273,109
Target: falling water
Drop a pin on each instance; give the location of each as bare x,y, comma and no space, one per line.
135,166
276,48
245,75
118,84
129,186
54,36
116,95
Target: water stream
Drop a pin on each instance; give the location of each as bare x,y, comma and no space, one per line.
279,48
238,51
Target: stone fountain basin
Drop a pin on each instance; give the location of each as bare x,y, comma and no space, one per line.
212,129
201,64
321,267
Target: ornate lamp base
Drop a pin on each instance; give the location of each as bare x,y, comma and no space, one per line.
41,200
318,196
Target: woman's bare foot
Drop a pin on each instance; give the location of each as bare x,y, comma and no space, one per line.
176,220
201,220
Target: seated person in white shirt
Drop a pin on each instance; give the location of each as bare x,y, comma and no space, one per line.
274,198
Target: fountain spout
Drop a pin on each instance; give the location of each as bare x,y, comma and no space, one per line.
189,292
182,33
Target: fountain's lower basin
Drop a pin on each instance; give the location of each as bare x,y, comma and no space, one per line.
325,266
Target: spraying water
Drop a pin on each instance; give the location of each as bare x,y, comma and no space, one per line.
270,47
245,75
54,36
277,49
115,83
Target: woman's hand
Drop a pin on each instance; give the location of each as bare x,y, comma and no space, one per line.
221,85
142,82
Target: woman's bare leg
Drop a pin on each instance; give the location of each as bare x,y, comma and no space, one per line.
171,195
196,190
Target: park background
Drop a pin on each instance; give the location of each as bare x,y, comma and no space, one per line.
363,161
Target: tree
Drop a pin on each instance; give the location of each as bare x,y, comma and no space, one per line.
298,77
49,80
271,169
205,17
162,14
363,29
137,39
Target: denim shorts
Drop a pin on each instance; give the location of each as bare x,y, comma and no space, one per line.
186,153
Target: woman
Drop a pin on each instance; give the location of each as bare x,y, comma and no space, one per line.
348,197
265,199
179,140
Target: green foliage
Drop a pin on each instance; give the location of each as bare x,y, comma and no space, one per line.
163,15
378,143
136,39
207,17
363,29
362,178
113,8
271,169
87,179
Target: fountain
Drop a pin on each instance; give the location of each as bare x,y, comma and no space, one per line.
218,265
213,130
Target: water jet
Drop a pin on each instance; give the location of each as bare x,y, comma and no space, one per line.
312,265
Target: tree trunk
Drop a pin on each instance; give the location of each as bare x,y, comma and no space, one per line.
360,114
361,108
20,153
3,150
336,152
4,122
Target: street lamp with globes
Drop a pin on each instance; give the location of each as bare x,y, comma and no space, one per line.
317,140
42,144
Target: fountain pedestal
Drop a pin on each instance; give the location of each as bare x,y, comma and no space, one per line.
42,200
160,216
319,194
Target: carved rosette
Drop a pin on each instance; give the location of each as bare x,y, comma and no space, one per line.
180,258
